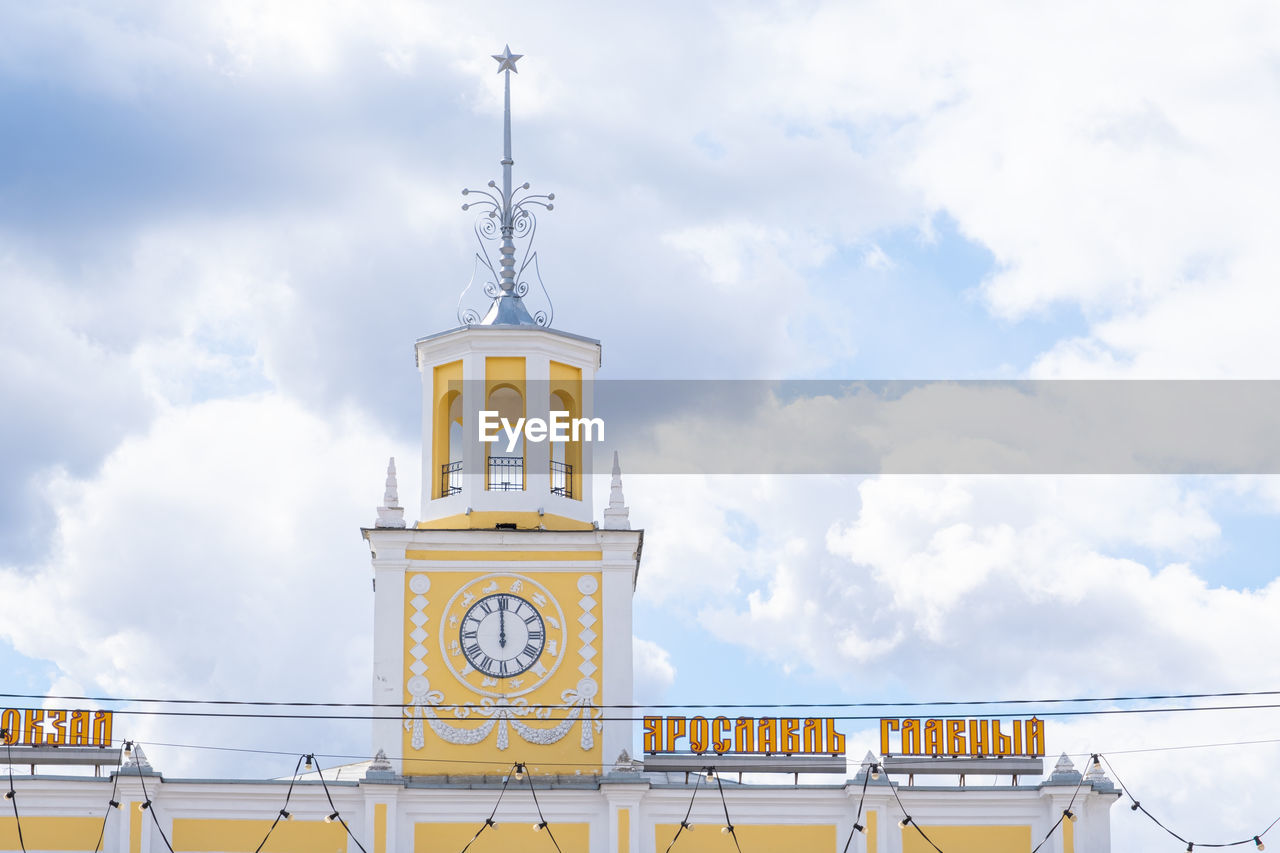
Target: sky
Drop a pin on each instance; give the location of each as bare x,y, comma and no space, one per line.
223,224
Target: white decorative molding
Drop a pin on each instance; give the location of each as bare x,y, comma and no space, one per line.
503,715
587,584
418,584
390,514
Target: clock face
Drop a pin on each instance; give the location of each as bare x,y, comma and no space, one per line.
502,635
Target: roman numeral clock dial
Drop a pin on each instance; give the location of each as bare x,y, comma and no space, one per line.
504,635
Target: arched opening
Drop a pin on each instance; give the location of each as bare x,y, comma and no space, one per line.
505,463
565,455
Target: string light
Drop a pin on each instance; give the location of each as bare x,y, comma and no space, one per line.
1190,846
906,820
1136,805
307,766
725,830
684,824
1069,815
711,774
144,805
9,794
128,749
539,826
284,815
519,772
875,772
857,827
331,818
1258,841
113,804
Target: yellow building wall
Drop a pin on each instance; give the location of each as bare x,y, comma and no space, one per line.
500,372
440,618
50,833
968,839
442,393
506,838
707,838
566,391
624,830
244,836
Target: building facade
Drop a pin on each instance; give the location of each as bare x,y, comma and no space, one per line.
502,670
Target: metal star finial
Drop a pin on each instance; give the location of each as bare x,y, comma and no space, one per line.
507,59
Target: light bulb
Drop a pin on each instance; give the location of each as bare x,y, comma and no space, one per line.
1134,807
307,765
519,772
1258,841
1097,763
284,815
143,806
725,830
905,820
331,818
711,774
113,804
1190,846
857,827
875,772
1067,813
128,749
687,825
8,795
539,826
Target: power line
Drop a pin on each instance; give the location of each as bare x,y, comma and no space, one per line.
1152,697
1083,712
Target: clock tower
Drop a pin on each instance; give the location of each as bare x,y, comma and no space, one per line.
502,619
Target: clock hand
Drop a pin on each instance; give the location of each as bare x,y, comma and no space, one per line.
502,628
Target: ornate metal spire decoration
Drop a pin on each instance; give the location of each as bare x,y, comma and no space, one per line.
506,219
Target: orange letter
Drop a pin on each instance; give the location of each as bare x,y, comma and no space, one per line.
1001,742
812,736
102,728
719,735
675,731
11,722
744,735
933,737
977,737
652,734
955,738
1035,737
59,721
835,740
910,737
767,735
886,726
78,729
34,728
790,735
698,734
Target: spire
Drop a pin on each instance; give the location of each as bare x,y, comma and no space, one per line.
617,516
506,219
390,514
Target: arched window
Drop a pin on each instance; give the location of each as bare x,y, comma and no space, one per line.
506,463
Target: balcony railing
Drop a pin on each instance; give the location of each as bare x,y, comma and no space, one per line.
506,474
450,478
561,479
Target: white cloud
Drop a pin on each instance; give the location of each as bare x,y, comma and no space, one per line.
654,672
208,559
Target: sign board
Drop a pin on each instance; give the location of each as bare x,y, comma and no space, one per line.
962,738
55,727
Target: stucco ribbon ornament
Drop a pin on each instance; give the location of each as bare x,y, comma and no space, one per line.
503,715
